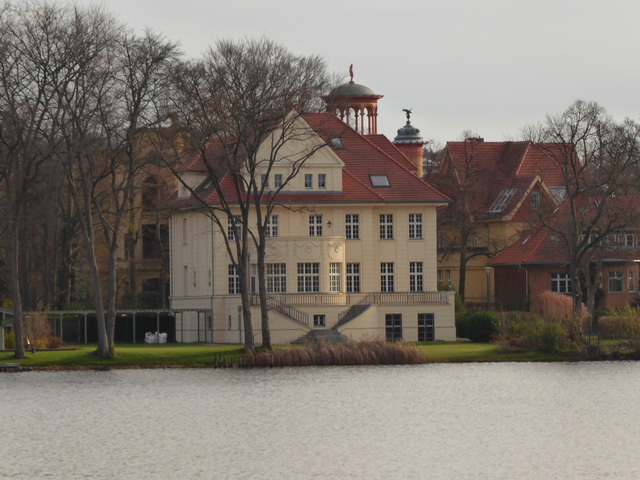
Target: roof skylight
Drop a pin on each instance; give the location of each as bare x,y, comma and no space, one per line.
503,198
379,180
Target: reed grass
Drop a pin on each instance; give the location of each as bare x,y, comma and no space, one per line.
368,352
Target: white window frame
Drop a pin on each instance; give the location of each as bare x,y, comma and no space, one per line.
232,232
308,277
353,277
335,277
319,320
271,229
352,226
322,180
386,226
277,180
387,277
415,226
561,283
264,180
501,201
276,277
632,281
535,200
615,283
308,180
234,279
416,276
315,225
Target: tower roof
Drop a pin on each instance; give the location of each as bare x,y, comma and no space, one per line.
408,133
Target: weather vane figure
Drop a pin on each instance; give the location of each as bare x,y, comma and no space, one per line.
351,73
408,112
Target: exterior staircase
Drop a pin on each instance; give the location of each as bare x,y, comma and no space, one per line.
330,336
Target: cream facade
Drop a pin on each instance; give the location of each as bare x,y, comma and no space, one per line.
359,256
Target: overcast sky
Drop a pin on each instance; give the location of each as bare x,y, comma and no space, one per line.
490,66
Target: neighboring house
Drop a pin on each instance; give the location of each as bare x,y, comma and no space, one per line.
498,190
539,262
352,246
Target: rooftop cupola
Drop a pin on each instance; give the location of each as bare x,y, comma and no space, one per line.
356,105
410,143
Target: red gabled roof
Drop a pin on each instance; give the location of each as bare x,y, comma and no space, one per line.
495,166
542,245
362,156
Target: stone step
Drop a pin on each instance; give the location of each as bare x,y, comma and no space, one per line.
330,336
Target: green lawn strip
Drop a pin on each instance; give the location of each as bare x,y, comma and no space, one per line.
145,355
130,355
479,352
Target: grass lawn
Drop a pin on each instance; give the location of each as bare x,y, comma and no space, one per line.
145,355
479,352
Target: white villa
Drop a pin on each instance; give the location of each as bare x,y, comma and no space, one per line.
352,248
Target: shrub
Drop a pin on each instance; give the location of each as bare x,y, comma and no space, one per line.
10,340
481,326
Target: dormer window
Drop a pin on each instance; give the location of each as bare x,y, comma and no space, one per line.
336,142
535,200
322,180
379,181
503,198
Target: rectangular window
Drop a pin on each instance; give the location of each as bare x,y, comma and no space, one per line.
276,277
234,228
632,281
386,226
185,231
185,280
625,240
616,283
264,178
535,200
440,276
415,226
315,225
353,278
277,180
386,277
335,275
560,283
308,180
319,321
308,277
352,226
272,226
155,241
322,180
393,326
501,202
416,280
234,280
426,327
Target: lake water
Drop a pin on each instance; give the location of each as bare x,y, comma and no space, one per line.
442,421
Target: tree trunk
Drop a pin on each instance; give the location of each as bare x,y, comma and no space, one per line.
17,298
262,287
463,274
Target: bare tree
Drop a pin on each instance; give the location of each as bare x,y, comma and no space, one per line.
30,58
246,98
598,159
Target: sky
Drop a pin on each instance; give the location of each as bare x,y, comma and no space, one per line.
485,66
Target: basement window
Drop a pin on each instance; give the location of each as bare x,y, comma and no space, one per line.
380,181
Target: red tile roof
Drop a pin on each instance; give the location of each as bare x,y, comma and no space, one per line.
496,166
362,156
541,245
